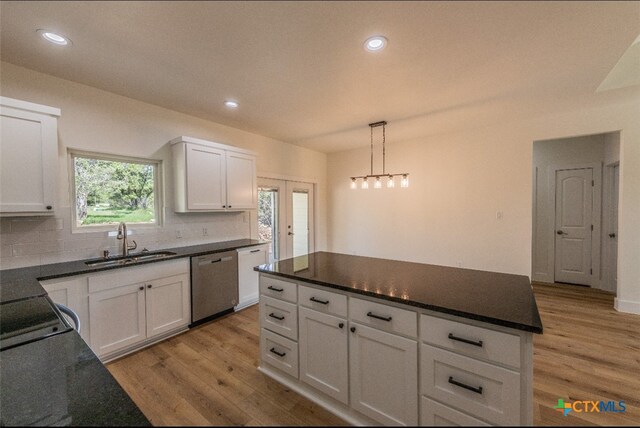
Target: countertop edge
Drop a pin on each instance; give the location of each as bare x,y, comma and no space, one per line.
490,320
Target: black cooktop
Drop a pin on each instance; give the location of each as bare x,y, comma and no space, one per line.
28,320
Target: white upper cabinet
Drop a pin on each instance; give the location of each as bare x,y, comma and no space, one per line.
206,178
28,157
211,177
241,181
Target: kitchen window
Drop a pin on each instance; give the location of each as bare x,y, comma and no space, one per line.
108,189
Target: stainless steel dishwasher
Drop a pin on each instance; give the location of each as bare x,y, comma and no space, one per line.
214,285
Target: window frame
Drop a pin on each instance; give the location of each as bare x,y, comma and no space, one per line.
158,191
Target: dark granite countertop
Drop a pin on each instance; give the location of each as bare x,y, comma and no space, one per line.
60,381
496,298
23,283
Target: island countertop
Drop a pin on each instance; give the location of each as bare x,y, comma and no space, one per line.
496,298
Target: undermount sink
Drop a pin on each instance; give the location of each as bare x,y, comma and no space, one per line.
130,259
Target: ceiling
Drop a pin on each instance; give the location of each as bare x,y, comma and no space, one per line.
299,70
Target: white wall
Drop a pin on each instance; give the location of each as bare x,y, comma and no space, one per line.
559,152
99,121
460,180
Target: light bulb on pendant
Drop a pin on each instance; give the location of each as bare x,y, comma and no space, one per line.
405,181
377,184
354,185
365,184
390,182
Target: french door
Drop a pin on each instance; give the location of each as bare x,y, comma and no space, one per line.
286,217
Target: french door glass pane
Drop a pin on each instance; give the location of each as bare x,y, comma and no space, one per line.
300,223
268,220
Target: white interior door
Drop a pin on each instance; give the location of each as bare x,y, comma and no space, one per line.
613,231
286,217
574,207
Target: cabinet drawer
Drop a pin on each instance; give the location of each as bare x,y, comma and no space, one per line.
136,274
384,317
279,289
477,342
480,389
323,301
434,414
279,317
279,352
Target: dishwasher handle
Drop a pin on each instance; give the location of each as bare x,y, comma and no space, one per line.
209,262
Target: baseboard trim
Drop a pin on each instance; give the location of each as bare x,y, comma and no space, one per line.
245,303
627,306
107,358
340,410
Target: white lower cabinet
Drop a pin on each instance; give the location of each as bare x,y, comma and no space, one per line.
125,315
168,304
371,363
324,356
382,369
118,318
248,289
434,414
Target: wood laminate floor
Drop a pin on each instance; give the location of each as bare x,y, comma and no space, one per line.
208,375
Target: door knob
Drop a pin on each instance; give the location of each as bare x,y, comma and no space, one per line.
612,235
560,232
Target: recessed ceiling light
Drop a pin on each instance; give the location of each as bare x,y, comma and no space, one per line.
231,104
375,43
54,38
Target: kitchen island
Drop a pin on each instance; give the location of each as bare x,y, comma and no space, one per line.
388,342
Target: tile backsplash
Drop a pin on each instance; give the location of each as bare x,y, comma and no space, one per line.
28,241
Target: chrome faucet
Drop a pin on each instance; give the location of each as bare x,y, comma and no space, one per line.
122,234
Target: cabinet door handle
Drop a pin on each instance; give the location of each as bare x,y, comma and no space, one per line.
149,286
353,329
279,290
279,354
372,315
324,302
272,315
477,390
255,251
341,325
141,288
49,207
470,342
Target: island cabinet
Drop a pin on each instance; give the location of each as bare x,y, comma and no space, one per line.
212,177
372,361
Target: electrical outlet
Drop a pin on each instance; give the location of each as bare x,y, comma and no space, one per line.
499,215
205,232
178,234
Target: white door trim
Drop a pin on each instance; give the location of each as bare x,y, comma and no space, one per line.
596,217
608,271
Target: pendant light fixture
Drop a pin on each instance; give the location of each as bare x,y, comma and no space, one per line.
378,179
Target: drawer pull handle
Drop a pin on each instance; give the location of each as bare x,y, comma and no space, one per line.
470,342
324,302
378,317
280,354
255,251
272,315
279,290
477,390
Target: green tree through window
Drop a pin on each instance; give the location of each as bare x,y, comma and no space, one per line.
111,191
